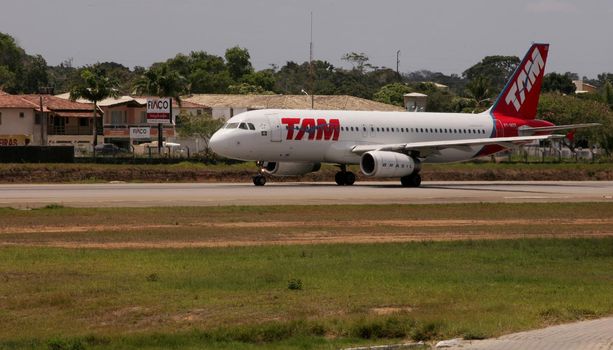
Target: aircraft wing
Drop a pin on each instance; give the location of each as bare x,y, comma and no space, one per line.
526,130
433,147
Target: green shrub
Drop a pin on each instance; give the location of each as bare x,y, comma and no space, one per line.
294,284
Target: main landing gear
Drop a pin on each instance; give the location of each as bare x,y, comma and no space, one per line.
344,177
259,179
413,180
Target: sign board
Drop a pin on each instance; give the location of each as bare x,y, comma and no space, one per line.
14,140
140,133
159,110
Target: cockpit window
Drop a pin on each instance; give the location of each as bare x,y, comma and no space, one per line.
232,126
251,126
243,126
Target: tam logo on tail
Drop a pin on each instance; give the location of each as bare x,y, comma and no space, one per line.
520,97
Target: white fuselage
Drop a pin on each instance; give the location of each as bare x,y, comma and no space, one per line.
278,136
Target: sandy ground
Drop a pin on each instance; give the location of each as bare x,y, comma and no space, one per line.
360,231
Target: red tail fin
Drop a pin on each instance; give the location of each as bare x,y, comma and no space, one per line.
521,95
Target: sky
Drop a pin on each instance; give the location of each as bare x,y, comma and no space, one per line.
439,35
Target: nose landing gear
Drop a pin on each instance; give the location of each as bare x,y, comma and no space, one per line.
259,179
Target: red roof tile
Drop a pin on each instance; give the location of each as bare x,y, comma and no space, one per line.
15,101
55,103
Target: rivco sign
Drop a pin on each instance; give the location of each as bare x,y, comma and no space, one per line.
159,110
140,133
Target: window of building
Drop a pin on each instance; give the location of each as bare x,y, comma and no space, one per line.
143,117
0,118
117,117
199,112
83,122
21,115
37,118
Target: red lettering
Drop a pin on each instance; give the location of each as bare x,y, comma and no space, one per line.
290,123
329,130
308,125
317,130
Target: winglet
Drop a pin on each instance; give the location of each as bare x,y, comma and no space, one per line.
520,96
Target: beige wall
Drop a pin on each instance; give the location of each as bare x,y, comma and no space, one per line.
13,124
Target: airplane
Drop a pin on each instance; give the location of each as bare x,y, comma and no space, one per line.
389,144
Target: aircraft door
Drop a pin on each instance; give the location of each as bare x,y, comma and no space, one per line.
275,128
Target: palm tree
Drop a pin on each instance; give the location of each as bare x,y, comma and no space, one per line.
161,81
479,89
94,86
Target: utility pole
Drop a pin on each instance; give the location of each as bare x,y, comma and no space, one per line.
311,72
398,63
44,90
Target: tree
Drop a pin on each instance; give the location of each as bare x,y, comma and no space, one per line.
479,90
201,126
20,72
163,82
569,109
607,94
358,60
248,89
94,86
238,62
34,74
561,83
7,78
496,69
263,79
392,94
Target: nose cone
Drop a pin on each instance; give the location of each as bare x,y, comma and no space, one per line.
218,143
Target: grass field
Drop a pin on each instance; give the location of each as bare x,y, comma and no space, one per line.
148,284
242,172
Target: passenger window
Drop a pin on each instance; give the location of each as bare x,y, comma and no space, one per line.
372,129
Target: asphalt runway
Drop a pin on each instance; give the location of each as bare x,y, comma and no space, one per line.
288,193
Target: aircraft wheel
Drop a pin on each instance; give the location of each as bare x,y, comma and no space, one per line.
340,178
259,180
413,180
349,178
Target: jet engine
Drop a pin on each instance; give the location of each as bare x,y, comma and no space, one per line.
290,168
388,164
